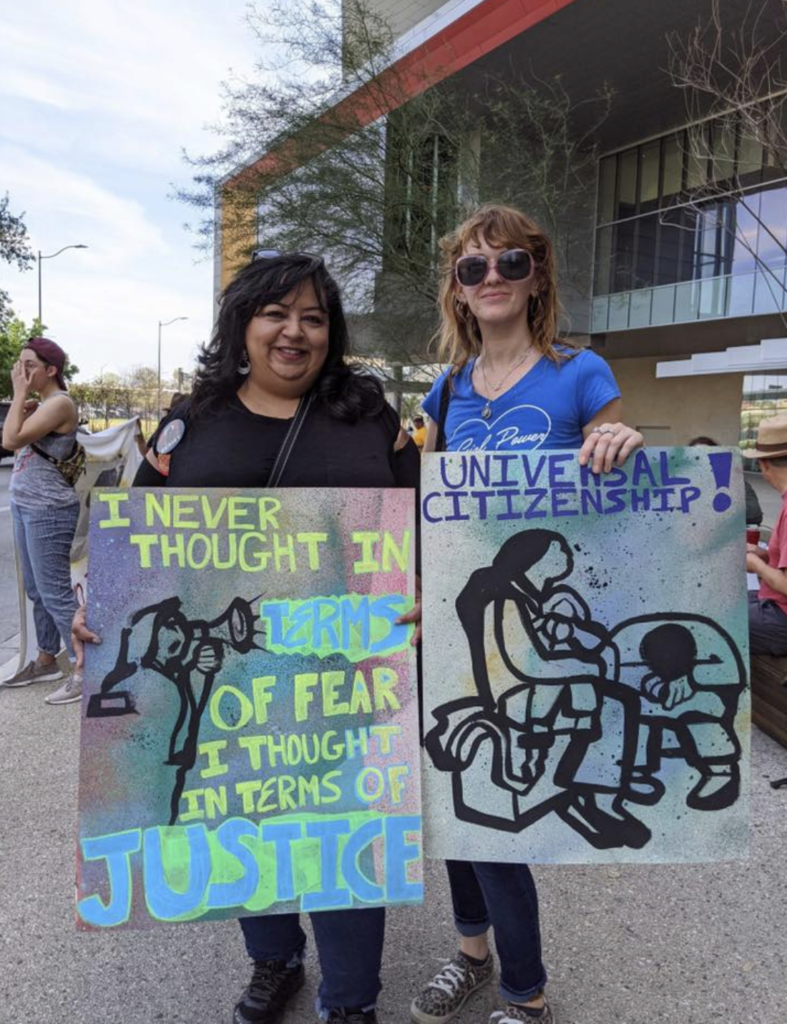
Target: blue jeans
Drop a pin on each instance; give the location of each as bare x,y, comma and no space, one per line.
503,895
43,538
349,944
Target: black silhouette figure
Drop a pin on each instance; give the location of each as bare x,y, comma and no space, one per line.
566,728
690,675
187,652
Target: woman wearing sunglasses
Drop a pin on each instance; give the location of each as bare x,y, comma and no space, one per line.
512,385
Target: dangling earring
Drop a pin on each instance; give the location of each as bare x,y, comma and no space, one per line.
244,366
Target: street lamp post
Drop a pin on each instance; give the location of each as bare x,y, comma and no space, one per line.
51,256
161,324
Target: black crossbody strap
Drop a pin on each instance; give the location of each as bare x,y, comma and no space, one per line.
445,398
290,438
51,458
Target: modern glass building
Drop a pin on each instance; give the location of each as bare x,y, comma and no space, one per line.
680,237
690,226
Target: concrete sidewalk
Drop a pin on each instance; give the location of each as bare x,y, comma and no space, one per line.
623,945
634,945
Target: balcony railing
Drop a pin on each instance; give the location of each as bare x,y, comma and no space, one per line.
713,298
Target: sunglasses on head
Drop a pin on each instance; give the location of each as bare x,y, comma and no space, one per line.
512,265
273,254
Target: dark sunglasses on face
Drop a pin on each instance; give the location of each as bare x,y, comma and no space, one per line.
512,265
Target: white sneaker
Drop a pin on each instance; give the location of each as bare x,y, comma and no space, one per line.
69,692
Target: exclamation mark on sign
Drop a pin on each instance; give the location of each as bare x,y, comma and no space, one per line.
721,464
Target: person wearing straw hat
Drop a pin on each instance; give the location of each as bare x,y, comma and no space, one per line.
768,607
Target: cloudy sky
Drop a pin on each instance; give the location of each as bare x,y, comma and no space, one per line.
96,101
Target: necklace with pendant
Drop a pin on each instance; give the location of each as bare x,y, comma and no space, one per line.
486,412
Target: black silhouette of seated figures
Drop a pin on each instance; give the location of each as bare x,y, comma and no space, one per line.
565,728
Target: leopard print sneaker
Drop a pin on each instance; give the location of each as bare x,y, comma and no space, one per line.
449,990
516,1013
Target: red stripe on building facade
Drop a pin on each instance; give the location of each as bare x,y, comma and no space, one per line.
487,26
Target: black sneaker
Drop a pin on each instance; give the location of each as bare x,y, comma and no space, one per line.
265,998
350,1017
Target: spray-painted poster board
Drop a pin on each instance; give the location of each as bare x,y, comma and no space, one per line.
585,657
250,721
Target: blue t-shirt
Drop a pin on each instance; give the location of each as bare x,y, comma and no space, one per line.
547,408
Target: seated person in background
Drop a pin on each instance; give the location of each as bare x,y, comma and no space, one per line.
419,433
753,510
768,607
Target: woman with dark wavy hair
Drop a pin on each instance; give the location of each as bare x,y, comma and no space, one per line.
275,401
279,348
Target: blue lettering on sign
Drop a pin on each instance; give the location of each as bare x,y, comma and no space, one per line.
399,852
331,896
177,863
116,850
479,487
282,834
361,886
234,894
164,901
337,625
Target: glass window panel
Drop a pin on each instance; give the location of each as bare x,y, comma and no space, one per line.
599,317
626,201
622,262
686,301
619,311
670,237
749,158
663,305
688,223
774,128
672,171
745,226
606,189
773,227
603,269
773,166
723,151
649,176
645,267
740,295
768,292
705,243
697,153
713,297
714,240
726,235
639,309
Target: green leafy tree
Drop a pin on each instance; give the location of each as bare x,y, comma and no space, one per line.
14,249
13,337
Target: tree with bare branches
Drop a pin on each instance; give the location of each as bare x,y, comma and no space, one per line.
734,80
339,148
